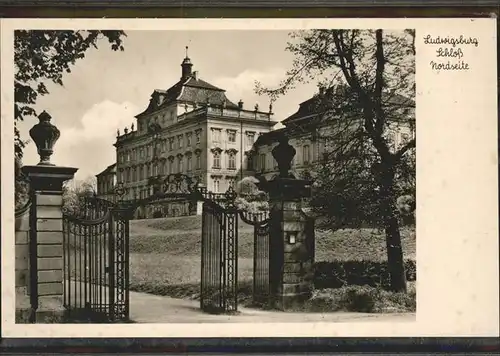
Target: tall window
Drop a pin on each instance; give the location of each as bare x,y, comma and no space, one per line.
231,182
216,160
231,163
189,139
189,163
198,136
171,143
250,166
216,185
198,160
250,138
179,141
155,169
180,164
306,157
231,135
216,135
263,161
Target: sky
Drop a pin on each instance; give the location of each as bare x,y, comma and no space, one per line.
106,89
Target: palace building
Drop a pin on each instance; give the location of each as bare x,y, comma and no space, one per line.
312,140
200,133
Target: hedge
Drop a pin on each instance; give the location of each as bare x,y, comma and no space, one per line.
337,274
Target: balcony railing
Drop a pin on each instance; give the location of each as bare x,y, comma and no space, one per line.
225,112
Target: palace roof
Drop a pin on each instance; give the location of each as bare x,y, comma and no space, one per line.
190,89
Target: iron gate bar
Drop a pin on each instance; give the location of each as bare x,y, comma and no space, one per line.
92,283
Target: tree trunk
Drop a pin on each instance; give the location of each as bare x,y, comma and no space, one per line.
395,255
395,260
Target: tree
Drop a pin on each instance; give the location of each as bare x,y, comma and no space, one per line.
42,56
367,88
250,198
74,192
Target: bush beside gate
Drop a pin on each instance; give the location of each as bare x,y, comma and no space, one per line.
337,274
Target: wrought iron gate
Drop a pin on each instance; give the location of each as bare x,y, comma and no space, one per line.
219,258
96,265
260,222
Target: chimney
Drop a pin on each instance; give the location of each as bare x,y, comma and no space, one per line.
195,75
240,104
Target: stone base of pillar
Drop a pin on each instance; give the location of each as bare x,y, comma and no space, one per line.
24,313
50,310
50,316
292,302
294,296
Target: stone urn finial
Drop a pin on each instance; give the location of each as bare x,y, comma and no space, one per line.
45,135
283,153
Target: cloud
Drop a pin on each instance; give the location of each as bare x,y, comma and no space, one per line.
90,146
242,86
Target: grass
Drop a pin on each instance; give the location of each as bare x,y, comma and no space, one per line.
165,259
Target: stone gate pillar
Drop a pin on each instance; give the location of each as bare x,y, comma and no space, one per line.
46,226
291,250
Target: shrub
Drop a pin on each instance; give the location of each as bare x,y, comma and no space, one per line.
337,274
364,299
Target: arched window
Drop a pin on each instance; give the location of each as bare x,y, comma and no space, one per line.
216,163
231,160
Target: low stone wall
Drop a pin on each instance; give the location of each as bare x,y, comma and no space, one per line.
22,264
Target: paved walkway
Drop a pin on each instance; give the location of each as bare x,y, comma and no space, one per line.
148,308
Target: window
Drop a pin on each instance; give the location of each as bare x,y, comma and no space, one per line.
189,163
250,163
231,135
198,136
171,143
180,164
263,161
179,141
306,154
231,182
189,139
198,161
250,138
141,153
216,160
155,169
216,185
231,163
216,135
134,174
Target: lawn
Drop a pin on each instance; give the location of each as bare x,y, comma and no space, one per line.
165,253
165,257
